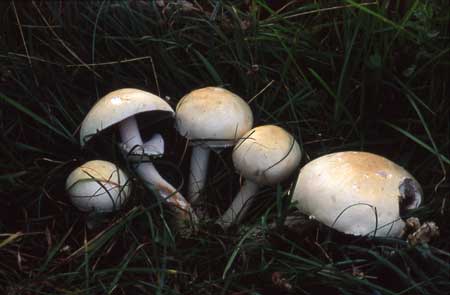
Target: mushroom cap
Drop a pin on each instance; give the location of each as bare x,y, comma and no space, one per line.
357,193
117,106
213,115
98,185
266,155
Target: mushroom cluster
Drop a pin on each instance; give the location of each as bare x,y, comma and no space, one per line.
356,193
119,108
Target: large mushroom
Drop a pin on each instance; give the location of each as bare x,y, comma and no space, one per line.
119,108
211,118
265,155
357,193
98,186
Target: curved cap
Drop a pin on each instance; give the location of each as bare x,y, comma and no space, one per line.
266,155
117,106
213,115
357,193
98,185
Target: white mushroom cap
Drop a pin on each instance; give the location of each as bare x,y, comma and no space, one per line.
117,106
98,185
266,155
357,193
213,115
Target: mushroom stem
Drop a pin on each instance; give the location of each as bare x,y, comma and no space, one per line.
130,135
154,180
240,205
129,132
155,145
199,168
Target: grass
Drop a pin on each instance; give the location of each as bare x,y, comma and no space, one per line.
339,75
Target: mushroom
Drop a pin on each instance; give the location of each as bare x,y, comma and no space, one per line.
266,155
211,118
357,193
119,108
98,186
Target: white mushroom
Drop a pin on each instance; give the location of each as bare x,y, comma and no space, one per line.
211,118
266,155
357,193
119,107
98,186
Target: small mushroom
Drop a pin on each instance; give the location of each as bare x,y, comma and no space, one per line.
357,193
119,108
98,186
211,118
266,155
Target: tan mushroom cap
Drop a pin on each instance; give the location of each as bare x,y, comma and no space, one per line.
117,106
357,193
98,185
214,115
266,155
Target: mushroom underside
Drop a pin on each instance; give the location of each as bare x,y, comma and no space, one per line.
148,122
410,195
